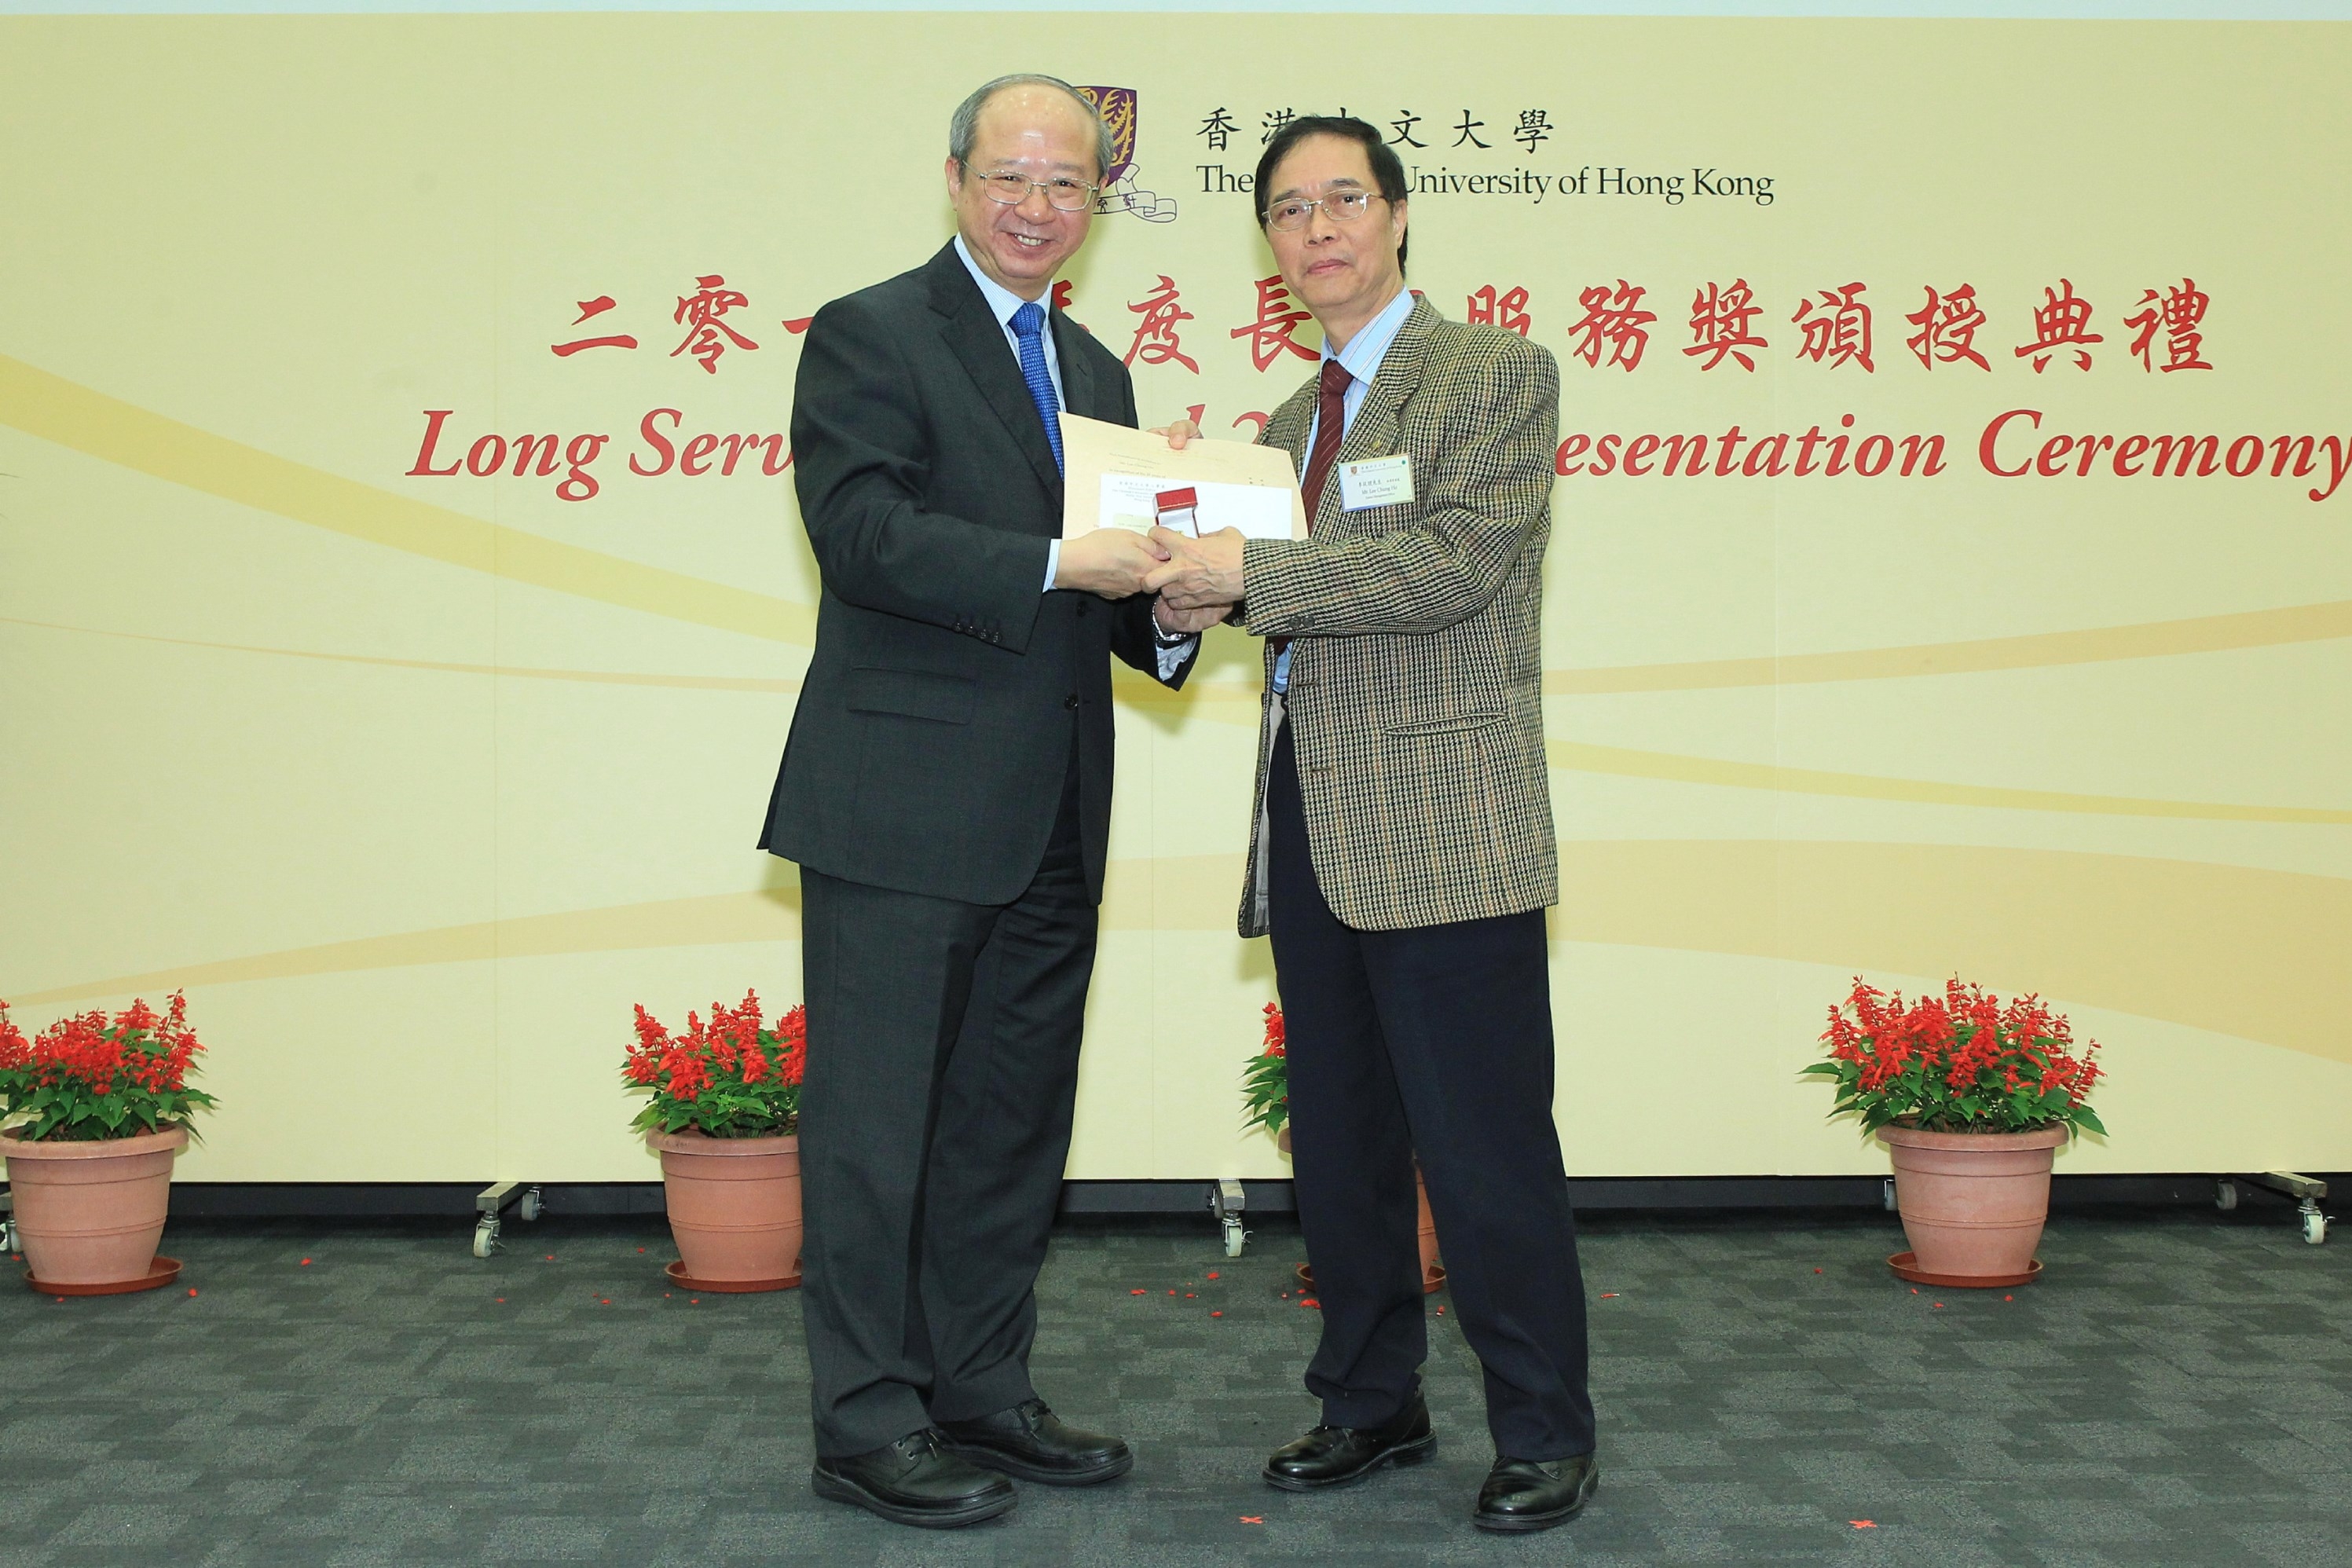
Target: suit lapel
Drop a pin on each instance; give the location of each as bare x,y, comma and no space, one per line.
1377,430
977,340
1078,375
1287,426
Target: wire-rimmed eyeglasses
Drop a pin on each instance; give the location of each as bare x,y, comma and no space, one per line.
1065,195
1339,207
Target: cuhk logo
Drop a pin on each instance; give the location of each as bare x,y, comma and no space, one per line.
1117,106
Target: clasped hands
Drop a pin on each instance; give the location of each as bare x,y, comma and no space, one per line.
1197,581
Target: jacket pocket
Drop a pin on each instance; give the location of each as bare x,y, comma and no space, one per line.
911,693
1445,724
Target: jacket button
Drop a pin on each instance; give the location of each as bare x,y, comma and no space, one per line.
1071,700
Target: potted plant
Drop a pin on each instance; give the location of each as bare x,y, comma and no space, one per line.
723,1113
1265,1102
1972,1098
95,1109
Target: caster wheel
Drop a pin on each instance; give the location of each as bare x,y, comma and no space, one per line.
1235,1238
486,1238
2315,1228
2225,1195
528,1208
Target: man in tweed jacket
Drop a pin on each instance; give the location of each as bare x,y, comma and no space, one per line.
1401,852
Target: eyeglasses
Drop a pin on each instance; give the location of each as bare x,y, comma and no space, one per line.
1339,207
1011,189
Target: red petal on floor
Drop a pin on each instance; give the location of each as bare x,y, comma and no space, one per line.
1135,1292
1253,1518
192,1292
1863,1523
306,1263
1213,1274
641,1249
1188,1296
1216,1314
1171,1292
1608,1295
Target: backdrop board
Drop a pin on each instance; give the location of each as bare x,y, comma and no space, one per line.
402,599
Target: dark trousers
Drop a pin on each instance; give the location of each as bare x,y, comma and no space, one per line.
935,1124
1434,1042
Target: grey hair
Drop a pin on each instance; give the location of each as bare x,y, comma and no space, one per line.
964,125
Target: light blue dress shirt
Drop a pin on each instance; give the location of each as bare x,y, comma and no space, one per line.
1361,359
1002,303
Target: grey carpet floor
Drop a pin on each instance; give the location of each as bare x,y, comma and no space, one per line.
2177,1389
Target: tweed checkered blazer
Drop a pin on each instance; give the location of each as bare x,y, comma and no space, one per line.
1415,700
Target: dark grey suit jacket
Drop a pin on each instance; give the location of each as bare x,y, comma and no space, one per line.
937,720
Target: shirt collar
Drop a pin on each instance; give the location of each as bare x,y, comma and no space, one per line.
1362,358
1001,301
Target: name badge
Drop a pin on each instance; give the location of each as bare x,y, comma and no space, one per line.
1376,482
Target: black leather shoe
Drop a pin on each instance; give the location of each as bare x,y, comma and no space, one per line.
916,1481
1535,1494
1335,1456
1033,1442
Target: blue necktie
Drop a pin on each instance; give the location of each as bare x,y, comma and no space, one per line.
1028,323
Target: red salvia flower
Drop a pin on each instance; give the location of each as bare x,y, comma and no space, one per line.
1961,1062
1266,1079
728,1077
90,1077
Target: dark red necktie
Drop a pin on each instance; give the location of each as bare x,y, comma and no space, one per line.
1330,424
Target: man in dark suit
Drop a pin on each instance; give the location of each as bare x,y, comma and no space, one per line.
946,791
1402,851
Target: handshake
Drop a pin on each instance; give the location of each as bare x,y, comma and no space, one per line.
1198,580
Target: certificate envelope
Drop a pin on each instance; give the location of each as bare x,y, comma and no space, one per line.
1112,474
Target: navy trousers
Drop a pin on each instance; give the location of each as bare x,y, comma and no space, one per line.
1436,1043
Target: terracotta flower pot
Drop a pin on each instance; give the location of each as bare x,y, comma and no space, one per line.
1973,1204
734,1205
91,1212
1432,1272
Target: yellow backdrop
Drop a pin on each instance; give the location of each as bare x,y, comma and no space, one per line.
417,775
